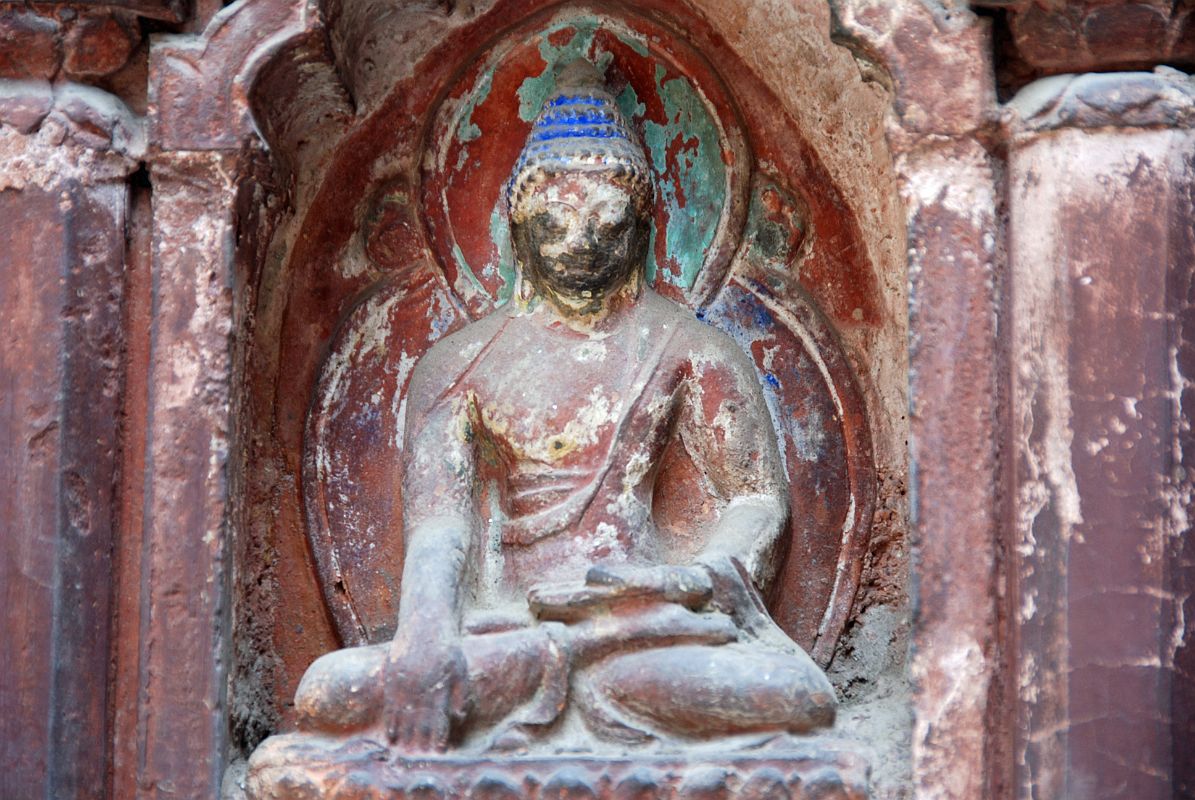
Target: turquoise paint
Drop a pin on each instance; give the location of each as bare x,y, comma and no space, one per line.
700,175
651,268
632,109
467,130
534,91
500,234
463,268
628,103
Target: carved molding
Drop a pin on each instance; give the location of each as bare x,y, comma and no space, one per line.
1164,98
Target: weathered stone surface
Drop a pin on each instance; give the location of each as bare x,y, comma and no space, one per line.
182,677
379,146
84,115
1163,98
42,43
97,45
1091,35
939,58
820,769
919,45
845,124
1101,264
29,44
952,242
62,219
25,103
167,10
236,43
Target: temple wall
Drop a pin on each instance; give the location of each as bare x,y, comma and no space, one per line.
183,192
1100,259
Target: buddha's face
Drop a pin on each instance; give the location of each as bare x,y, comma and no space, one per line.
580,235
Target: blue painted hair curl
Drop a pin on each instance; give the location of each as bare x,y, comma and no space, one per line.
580,127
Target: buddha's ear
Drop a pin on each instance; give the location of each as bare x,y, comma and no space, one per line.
519,241
521,245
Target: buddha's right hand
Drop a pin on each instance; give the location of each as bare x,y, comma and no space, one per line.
426,686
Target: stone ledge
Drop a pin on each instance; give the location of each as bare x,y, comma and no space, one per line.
1164,98
298,767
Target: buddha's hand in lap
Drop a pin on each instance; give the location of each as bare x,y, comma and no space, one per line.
719,582
688,586
607,588
426,690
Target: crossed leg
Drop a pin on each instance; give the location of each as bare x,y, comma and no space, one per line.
343,692
660,673
704,692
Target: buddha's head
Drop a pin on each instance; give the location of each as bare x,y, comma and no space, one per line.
581,197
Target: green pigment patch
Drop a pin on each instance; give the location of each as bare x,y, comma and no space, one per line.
500,234
468,130
698,180
691,185
534,91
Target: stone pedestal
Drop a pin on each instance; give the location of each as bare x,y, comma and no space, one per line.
301,767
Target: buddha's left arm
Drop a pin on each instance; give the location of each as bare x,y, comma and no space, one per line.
728,432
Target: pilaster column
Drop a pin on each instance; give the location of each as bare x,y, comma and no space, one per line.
1101,255
182,722
65,154
939,58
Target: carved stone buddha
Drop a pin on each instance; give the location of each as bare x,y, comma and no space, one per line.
542,611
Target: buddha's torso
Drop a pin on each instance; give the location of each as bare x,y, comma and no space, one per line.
570,429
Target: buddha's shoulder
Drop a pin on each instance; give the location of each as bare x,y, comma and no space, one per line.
693,338
458,349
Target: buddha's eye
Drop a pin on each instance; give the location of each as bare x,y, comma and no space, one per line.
553,222
619,226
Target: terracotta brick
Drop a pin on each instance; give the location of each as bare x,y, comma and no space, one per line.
29,44
98,45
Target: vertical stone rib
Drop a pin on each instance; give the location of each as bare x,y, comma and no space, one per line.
183,735
1101,262
62,209
950,192
91,281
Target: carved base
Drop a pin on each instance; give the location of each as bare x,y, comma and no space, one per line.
297,767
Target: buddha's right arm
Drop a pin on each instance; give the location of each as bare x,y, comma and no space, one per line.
439,516
430,601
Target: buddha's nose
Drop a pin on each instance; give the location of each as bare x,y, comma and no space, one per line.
582,233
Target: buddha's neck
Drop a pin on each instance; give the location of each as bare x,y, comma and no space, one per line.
583,314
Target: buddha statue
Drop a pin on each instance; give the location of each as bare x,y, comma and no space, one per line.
542,608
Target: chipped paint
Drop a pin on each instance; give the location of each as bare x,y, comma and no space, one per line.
685,151
684,136
534,90
742,80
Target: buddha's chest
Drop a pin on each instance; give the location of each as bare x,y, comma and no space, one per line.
570,403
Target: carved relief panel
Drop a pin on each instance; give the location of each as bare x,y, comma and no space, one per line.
746,235
724,236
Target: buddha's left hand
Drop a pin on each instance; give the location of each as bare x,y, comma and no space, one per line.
605,587
719,581
688,586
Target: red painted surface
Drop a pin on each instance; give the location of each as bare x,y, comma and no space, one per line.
817,589
465,183
60,304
